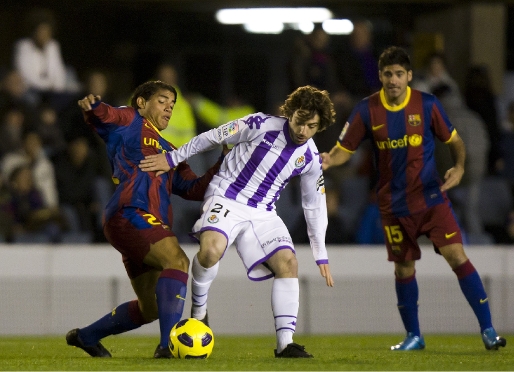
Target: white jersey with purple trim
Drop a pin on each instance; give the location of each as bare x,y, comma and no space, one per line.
262,162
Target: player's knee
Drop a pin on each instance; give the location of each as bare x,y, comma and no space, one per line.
208,256
149,308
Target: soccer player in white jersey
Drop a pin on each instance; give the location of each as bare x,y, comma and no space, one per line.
239,204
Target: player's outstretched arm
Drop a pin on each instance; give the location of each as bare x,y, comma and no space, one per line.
324,269
86,102
336,156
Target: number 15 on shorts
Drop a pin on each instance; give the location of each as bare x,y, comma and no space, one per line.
394,234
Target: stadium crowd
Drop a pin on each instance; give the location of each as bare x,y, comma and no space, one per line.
55,179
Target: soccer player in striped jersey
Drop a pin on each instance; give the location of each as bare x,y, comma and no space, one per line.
403,124
138,217
239,206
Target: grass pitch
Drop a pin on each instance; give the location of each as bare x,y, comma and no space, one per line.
255,353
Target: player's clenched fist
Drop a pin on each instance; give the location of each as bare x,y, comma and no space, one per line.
86,102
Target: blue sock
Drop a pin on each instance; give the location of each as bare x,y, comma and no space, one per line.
123,318
171,293
408,294
473,289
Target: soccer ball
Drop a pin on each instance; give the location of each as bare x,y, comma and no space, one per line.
191,339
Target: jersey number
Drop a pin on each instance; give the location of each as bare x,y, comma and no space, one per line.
394,234
217,209
151,219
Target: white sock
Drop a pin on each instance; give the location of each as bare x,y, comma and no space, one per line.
285,294
200,283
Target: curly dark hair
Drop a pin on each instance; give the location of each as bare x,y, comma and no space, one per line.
148,89
309,101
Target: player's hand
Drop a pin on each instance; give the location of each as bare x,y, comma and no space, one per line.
155,163
86,102
452,178
324,269
325,160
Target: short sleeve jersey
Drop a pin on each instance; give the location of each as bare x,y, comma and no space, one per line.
403,139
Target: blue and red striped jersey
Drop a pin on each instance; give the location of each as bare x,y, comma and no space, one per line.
129,137
403,140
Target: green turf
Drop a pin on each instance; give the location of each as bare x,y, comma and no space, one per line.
341,352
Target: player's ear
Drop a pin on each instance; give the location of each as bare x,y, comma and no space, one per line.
409,76
141,102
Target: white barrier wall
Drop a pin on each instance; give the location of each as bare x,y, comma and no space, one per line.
52,289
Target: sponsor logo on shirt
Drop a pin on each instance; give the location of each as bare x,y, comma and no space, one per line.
152,142
270,144
414,140
299,162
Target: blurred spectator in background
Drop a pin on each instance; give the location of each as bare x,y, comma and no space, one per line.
480,98
39,61
435,74
49,130
311,62
357,62
369,230
14,92
505,163
12,126
6,216
32,154
472,130
75,170
182,124
33,222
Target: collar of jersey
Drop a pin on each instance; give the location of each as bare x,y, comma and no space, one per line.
154,127
395,108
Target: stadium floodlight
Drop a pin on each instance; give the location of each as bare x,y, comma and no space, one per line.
284,15
270,27
337,26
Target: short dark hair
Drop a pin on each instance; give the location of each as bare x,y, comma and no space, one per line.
148,89
394,56
309,101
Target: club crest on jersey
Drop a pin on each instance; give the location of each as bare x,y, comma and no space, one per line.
213,219
320,185
227,130
343,132
299,162
414,120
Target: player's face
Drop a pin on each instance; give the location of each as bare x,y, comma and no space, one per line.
158,108
394,80
300,131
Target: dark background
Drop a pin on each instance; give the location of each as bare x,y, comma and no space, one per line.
130,37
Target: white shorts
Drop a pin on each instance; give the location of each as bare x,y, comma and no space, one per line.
256,234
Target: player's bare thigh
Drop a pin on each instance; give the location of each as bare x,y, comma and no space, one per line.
284,264
167,254
212,246
144,287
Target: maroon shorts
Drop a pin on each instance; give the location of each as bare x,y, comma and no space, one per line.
438,223
131,231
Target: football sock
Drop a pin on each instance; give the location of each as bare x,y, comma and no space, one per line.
123,318
170,293
285,294
200,283
473,289
408,294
